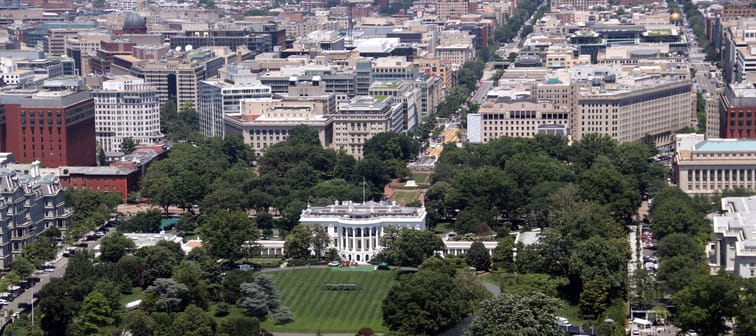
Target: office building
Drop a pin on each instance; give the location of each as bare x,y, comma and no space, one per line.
361,118
173,79
126,107
355,229
714,165
506,117
579,4
737,110
629,113
404,93
55,125
32,204
451,9
263,122
221,97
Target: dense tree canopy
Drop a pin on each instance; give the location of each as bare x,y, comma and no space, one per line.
531,314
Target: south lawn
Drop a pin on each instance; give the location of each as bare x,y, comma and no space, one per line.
331,311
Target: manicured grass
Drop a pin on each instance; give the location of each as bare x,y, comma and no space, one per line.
136,294
421,177
403,187
330,311
404,197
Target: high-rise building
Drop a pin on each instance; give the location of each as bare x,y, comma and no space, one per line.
405,93
174,79
32,204
55,125
126,107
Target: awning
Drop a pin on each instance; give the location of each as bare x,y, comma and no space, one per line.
642,322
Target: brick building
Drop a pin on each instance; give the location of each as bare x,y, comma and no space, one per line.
55,127
737,111
122,176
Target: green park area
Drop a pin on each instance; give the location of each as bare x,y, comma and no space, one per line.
331,311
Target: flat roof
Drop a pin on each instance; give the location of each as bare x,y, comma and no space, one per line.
725,146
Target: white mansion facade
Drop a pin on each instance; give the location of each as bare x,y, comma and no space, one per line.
356,228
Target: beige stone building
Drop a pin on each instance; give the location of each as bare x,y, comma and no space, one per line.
504,117
631,112
436,67
714,165
360,119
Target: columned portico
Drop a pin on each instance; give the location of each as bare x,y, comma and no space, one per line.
355,229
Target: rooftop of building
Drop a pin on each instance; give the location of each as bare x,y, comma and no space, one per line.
726,145
366,210
744,89
739,219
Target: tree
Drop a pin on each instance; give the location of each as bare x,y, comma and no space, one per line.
389,145
138,323
193,322
159,261
598,258
320,240
102,160
115,246
303,135
643,286
503,254
531,314
143,222
679,244
22,266
95,314
239,326
128,145
593,298
57,307
706,303
411,308
282,315
260,298
231,284
408,247
39,251
477,256
228,234
298,242
159,185
676,272
167,293
746,316
189,273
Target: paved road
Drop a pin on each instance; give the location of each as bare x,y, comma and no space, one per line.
480,94
60,264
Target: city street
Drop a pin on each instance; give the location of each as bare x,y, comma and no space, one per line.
60,263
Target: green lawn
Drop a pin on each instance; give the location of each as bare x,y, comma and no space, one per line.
136,294
421,177
326,311
404,197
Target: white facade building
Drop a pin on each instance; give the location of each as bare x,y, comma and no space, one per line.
126,107
355,229
734,247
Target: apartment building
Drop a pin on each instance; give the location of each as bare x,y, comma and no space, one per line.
361,118
506,117
737,111
714,165
629,113
32,203
126,107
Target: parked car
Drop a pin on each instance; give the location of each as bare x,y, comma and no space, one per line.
334,264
